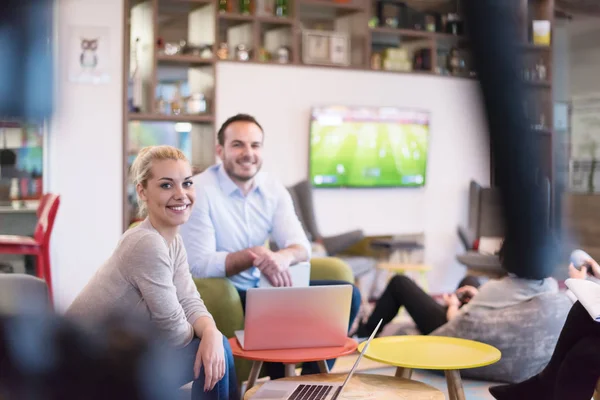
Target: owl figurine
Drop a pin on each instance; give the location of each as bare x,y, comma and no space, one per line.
88,57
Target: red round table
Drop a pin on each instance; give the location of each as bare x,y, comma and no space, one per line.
290,357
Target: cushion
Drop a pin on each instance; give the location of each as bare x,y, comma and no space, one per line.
525,334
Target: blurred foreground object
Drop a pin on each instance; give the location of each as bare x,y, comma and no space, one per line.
494,42
26,64
45,357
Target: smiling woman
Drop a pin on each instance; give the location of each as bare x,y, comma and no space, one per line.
162,178
148,274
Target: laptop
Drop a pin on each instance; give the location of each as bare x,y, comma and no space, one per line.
294,390
300,274
296,317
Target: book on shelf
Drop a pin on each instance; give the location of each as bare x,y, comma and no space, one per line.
588,294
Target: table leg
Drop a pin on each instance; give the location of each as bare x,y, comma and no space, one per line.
405,373
290,370
455,387
323,367
254,372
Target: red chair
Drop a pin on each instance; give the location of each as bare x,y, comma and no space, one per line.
39,244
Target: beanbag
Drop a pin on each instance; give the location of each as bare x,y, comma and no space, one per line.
526,334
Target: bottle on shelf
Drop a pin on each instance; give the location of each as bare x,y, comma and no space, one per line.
136,80
281,8
245,7
14,193
161,105
225,6
177,101
540,68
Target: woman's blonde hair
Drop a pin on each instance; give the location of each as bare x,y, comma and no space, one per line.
141,169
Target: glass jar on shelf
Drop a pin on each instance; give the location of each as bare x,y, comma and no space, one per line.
196,104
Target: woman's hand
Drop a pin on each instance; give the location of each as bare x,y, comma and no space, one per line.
580,273
453,305
211,355
451,300
593,267
470,292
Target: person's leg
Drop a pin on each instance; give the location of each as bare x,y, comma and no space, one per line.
313,367
579,371
427,313
578,325
226,388
242,294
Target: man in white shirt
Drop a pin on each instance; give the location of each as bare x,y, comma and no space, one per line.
238,208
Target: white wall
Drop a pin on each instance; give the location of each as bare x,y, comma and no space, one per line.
85,154
561,61
584,39
281,97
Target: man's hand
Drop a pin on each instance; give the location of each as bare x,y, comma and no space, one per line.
274,265
280,279
211,355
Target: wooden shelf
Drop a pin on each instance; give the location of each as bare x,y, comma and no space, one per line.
539,84
428,73
226,16
274,20
170,118
543,132
184,59
535,47
274,62
449,36
193,1
340,8
348,68
403,32
333,4
418,33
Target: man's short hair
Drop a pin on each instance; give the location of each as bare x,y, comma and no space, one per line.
231,120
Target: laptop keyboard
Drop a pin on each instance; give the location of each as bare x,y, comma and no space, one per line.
310,392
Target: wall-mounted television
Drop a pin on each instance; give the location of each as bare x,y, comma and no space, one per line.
365,147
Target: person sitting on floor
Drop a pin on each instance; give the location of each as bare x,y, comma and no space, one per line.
148,273
239,209
574,368
429,315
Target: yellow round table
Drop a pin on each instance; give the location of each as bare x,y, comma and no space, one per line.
432,352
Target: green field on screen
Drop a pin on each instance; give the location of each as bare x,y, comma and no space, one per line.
368,154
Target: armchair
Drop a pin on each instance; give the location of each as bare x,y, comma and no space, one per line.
303,204
485,219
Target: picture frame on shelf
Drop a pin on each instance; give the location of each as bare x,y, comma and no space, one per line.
325,48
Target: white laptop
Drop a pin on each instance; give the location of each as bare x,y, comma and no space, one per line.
300,274
294,390
296,317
